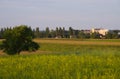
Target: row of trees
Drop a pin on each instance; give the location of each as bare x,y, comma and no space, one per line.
60,32
72,33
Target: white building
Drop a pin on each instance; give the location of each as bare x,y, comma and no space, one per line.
100,31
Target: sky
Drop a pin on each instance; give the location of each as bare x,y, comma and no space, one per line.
79,14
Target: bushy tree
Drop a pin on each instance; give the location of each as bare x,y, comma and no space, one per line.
109,35
47,32
70,30
112,35
81,35
95,35
37,33
1,33
18,39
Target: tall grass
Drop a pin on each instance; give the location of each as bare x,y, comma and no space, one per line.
60,67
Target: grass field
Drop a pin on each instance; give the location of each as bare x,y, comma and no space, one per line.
65,59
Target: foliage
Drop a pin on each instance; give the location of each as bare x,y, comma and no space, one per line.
112,35
70,31
81,35
18,39
37,33
47,32
95,35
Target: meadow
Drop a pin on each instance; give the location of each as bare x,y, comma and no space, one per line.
65,59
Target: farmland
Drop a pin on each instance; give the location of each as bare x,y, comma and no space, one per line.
65,59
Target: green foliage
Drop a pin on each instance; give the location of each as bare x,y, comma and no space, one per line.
47,32
18,39
95,35
70,31
108,35
81,35
112,35
37,33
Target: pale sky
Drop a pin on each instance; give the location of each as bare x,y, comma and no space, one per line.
79,14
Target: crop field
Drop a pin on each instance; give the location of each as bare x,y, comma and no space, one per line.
65,59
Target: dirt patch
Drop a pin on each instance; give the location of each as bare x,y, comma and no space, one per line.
2,53
74,42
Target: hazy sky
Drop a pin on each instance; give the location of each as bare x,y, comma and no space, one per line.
79,14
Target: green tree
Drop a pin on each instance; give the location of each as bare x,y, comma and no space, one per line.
1,33
95,35
115,34
47,32
37,33
81,35
112,35
71,33
53,33
57,31
63,32
70,30
109,35
18,39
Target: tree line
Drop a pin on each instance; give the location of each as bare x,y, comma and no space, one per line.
61,32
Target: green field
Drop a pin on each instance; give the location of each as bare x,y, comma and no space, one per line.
65,59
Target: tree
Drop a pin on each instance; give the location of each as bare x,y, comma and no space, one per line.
109,35
71,32
115,34
53,33
37,33
1,33
63,32
81,35
95,35
112,35
57,32
47,32
18,39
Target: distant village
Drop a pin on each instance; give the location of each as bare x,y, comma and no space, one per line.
60,32
94,33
